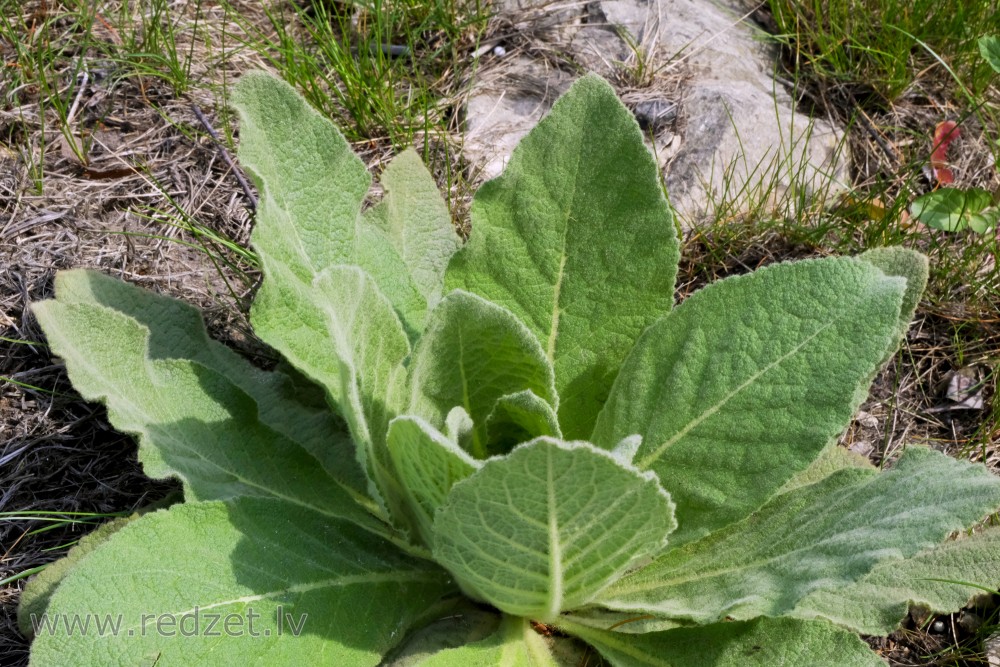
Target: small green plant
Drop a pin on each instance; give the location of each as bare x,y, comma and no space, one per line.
493,454
955,209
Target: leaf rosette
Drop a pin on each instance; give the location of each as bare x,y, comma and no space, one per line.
499,453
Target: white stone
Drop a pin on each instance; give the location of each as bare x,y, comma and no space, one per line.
736,132
504,109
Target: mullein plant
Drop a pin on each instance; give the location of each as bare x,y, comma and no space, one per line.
507,452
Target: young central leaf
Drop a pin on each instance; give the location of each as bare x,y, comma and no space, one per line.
544,529
342,331
473,353
416,221
517,418
427,464
577,240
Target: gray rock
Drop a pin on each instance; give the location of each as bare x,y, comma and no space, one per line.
655,115
507,103
991,647
733,132
741,134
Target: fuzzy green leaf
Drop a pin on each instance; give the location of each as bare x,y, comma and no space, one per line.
311,189
627,448
192,421
518,418
745,383
542,530
942,579
576,238
344,596
342,332
370,347
36,595
375,254
427,465
905,263
415,219
458,427
830,460
472,353
514,644
816,537
762,642
312,182
176,331
311,237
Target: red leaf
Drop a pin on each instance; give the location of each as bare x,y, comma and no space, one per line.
944,134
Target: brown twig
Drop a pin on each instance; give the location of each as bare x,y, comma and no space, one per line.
880,141
225,156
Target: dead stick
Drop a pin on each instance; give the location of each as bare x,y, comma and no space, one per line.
225,156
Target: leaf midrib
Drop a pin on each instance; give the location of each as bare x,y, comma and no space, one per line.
550,348
556,582
653,456
567,216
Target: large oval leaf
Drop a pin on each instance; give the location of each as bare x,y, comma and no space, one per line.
577,239
942,579
193,421
311,188
249,581
821,536
176,331
543,530
746,382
